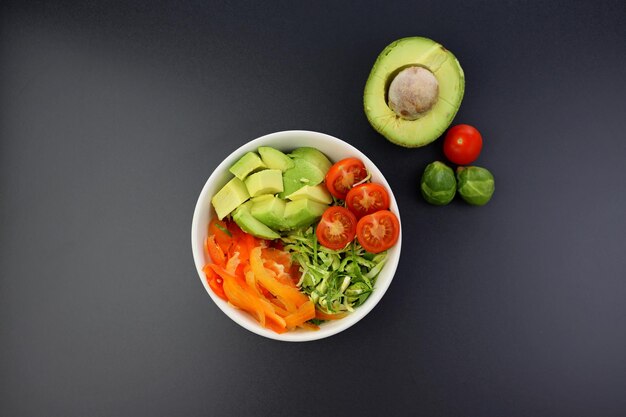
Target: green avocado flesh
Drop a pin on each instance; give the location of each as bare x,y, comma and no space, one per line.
432,123
269,211
231,196
249,224
303,173
268,181
275,159
255,198
317,193
303,212
312,156
247,164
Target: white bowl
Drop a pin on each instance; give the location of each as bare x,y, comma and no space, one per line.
336,150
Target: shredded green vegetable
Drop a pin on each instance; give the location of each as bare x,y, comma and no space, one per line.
336,280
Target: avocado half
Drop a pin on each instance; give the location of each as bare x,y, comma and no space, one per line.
413,92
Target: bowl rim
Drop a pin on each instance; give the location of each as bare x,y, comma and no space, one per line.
240,317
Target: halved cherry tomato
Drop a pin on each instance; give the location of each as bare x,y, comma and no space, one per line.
343,175
462,144
336,228
378,232
366,199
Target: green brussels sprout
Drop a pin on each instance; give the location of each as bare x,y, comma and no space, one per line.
357,293
476,185
438,184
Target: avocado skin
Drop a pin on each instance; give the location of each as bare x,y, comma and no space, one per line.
447,70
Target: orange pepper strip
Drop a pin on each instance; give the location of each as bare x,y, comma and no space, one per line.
278,272
252,283
237,296
325,316
245,299
243,243
219,229
232,264
305,312
279,307
214,251
309,326
275,327
290,296
270,312
278,256
284,313
214,281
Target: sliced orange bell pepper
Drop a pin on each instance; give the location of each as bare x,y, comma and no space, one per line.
309,326
232,264
223,237
304,313
278,256
214,251
256,276
244,298
290,296
237,296
325,316
215,282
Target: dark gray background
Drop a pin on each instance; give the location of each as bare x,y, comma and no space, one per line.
112,117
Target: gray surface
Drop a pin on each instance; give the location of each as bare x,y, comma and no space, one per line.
112,117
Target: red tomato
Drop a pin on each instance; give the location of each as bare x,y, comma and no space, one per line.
366,199
462,144
336,228
343,175
379,231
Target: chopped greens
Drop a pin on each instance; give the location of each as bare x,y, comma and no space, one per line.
336,280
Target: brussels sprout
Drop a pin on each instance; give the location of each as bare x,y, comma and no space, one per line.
476,184
438,184
357,293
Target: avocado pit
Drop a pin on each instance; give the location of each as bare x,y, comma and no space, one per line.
413,92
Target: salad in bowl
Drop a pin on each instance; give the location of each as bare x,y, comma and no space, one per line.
296,235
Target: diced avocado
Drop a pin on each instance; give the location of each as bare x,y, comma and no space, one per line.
302,212
275,159
249,224
268,181
413,91
233,194
246,165
313,156
303,173
261,197
317,193
270,211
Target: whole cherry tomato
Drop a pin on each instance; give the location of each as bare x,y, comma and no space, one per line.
462,144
